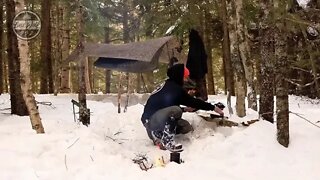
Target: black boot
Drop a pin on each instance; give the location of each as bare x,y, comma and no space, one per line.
168,140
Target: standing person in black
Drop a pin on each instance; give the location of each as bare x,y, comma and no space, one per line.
162,110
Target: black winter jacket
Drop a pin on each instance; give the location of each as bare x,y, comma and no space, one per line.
172,94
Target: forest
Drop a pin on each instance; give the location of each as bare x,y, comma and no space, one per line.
255,50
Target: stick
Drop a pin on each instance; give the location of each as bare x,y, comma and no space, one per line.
73,143
65,162
304,119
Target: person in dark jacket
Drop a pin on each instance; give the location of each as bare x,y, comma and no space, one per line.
162,110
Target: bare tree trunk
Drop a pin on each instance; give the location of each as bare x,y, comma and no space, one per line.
244,52
2,77
236,60
5,75
65,70
108,72
119,91
87,75
18,105
282,69
211,89
266,105
228,71
56,22
45,47
84,113
26,81
138,82
108,81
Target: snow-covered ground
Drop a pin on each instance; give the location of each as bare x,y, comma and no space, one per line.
105,149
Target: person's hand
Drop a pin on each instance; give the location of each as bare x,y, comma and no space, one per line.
189,109
218,110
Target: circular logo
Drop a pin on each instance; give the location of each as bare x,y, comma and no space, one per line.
26,25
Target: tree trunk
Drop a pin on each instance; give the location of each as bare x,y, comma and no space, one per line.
65,70
119,91
236,60
87,75
138,82
266,105
1,48
228,71
26,81
57,42
282,68
108,81
211,89
108,72
244,51
46,70
84,113
18,105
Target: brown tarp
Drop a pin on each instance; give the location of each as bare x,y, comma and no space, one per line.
140,56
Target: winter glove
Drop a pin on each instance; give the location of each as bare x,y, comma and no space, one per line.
220,105
219,108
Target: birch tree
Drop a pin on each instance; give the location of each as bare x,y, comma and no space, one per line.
26,81
244,52
65,70
236,58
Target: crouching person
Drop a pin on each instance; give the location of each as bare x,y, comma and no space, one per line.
162,112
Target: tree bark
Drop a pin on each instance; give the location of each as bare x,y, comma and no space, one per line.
108,72
211,89
57,20
282,69
228,71
46,70
236,60
244,51
18,105
1,48
65,70
87,75
84,113
266,105
26,81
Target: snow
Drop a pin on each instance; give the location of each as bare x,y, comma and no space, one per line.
105,149
303,3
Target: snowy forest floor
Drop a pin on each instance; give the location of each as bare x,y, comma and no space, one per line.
105,149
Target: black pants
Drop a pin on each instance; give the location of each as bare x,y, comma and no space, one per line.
159,119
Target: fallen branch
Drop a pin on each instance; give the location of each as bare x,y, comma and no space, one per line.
142,161
65,162
46,103
73,143
5,109
305,119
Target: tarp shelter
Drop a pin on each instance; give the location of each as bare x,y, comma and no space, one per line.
133,57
